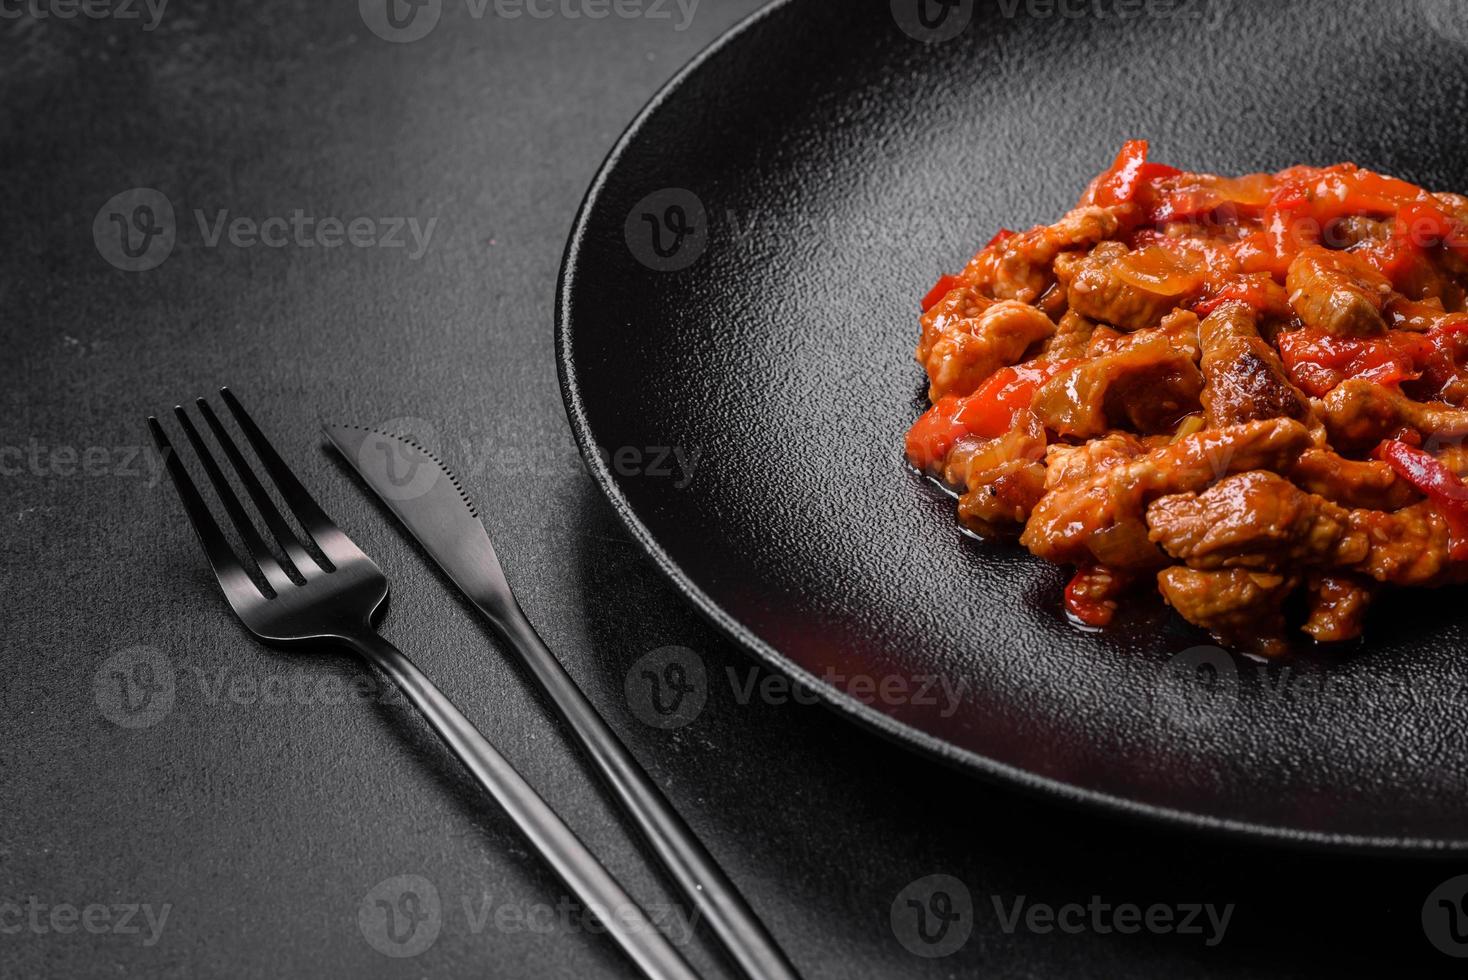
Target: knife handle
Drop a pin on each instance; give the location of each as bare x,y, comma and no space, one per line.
557,843
690,864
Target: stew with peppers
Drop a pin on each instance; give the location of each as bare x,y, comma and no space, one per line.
1242,389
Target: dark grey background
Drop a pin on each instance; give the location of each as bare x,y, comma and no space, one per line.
264,826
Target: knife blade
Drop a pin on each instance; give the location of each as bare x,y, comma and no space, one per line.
432,504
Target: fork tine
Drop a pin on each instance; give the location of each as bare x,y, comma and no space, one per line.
328,538
269,567
278,527
227,568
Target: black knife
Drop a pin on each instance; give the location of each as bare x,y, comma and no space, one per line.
433,505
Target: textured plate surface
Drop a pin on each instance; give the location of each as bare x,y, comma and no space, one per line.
735,326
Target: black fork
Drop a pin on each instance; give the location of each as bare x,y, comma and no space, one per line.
328,592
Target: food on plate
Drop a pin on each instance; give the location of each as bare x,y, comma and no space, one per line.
1249,391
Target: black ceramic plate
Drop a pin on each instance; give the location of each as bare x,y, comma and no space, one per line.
742,285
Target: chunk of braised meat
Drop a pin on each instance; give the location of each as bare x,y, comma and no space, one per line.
1093,593
961,305
1260,520
1072,338
1003,500
1067,465
1337,292
1096,290
1408,547
1245,379
1356,229
1124,546
1146,388
1256,520
1359,413
1019,267
1420,316
1338,604
1241,608
1071,518
1369,484
1179,328
1183,331
969,349
1002,479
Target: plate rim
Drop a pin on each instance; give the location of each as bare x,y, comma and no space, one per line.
965,760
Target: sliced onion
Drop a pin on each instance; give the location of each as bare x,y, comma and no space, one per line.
1160,271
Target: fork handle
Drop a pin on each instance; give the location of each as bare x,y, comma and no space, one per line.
577,867
690,864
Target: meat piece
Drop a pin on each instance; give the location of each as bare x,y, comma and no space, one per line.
1354,230
1419,316
969,349
1183,331
1067,465
1338,606
1369,484
1019,268
1095,290
1002,500
1179,328
1091,596
1064,524
1257,520
1261,521
1125,544
1001,479
1245,379
1239,607
1337,292
962,305
1105,340
1409,547
1146,387
1071,338
1359,413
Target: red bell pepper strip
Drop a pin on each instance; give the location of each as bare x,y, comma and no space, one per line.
1127,175
946,285
1317,361
1441,486
1308,199
988,413
1255,289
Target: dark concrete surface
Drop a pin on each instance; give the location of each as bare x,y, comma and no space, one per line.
247,813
